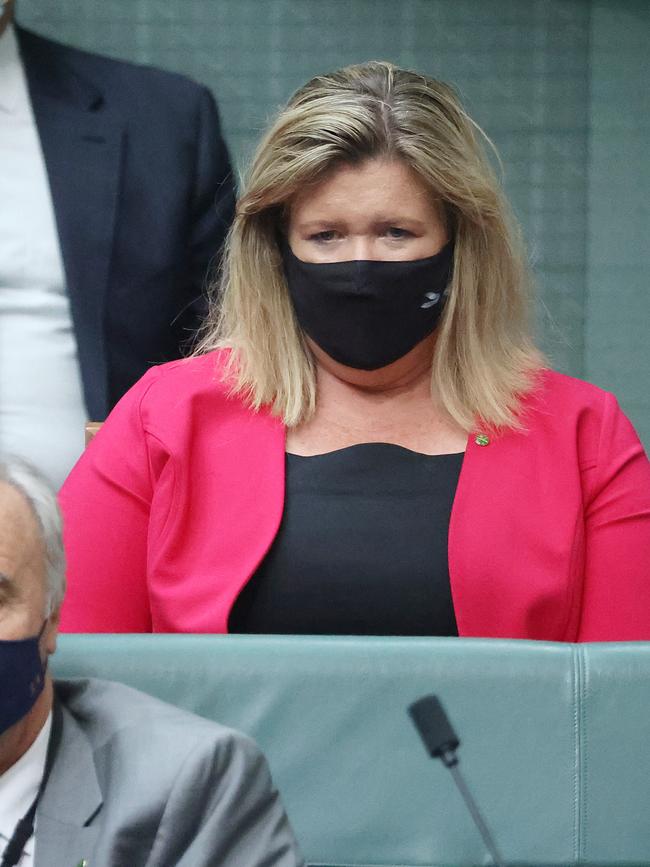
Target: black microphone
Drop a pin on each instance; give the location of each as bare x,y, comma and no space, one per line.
441,742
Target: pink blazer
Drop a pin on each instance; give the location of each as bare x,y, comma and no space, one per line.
177,500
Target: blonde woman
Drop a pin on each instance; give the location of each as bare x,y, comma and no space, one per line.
368,440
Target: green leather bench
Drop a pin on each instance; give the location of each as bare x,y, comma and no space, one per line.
555,738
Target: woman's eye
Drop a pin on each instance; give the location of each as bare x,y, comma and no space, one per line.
323,237
397,233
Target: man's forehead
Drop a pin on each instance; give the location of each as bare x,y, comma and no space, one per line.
14,509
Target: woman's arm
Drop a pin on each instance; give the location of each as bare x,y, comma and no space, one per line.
106,503
616,594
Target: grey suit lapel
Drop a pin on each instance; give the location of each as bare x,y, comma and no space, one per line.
82,146
65,835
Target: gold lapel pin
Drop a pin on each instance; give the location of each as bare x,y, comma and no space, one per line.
482,440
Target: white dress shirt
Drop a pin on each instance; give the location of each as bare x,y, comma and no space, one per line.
18,788
42,412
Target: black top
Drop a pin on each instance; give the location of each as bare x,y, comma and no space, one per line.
362,547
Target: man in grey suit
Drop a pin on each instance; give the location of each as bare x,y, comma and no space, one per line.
108,776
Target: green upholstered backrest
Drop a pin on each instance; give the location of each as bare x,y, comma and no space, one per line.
555,738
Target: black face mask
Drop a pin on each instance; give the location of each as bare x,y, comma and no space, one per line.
367,314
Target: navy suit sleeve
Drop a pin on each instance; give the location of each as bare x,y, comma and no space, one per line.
213,204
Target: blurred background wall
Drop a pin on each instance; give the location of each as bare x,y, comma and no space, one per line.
561,87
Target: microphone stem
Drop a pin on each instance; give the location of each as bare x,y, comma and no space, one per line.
478,819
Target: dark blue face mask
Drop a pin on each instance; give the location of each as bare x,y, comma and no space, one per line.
22,678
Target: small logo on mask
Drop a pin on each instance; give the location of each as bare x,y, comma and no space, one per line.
432,299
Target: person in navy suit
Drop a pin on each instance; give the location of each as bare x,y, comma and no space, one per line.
117,194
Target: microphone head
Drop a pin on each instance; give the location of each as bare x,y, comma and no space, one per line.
433,726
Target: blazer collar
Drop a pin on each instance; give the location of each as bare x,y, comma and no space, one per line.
65,834
51,76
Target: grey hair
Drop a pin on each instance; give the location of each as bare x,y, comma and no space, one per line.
24,478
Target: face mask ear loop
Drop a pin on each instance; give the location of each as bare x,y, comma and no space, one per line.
44,663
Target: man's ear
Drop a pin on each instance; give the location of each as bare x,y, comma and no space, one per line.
51,632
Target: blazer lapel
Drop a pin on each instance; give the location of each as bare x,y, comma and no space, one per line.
65,835
82,146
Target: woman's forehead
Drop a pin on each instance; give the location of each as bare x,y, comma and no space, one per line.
371,188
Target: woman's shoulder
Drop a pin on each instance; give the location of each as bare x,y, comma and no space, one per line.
554,387
560,408
186,384
190,376
189,394
559,395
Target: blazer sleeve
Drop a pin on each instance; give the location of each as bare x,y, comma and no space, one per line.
223,809
106,506
616,590
212,209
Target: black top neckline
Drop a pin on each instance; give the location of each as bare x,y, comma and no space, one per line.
377,446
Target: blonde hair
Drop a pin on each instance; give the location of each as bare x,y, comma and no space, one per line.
484,357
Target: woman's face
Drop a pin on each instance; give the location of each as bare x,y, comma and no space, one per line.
379,209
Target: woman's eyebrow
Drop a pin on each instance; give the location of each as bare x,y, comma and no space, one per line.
318,224
399,219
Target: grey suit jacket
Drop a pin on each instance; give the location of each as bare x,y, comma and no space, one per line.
136,782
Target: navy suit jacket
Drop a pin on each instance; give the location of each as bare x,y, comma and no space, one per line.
143,195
